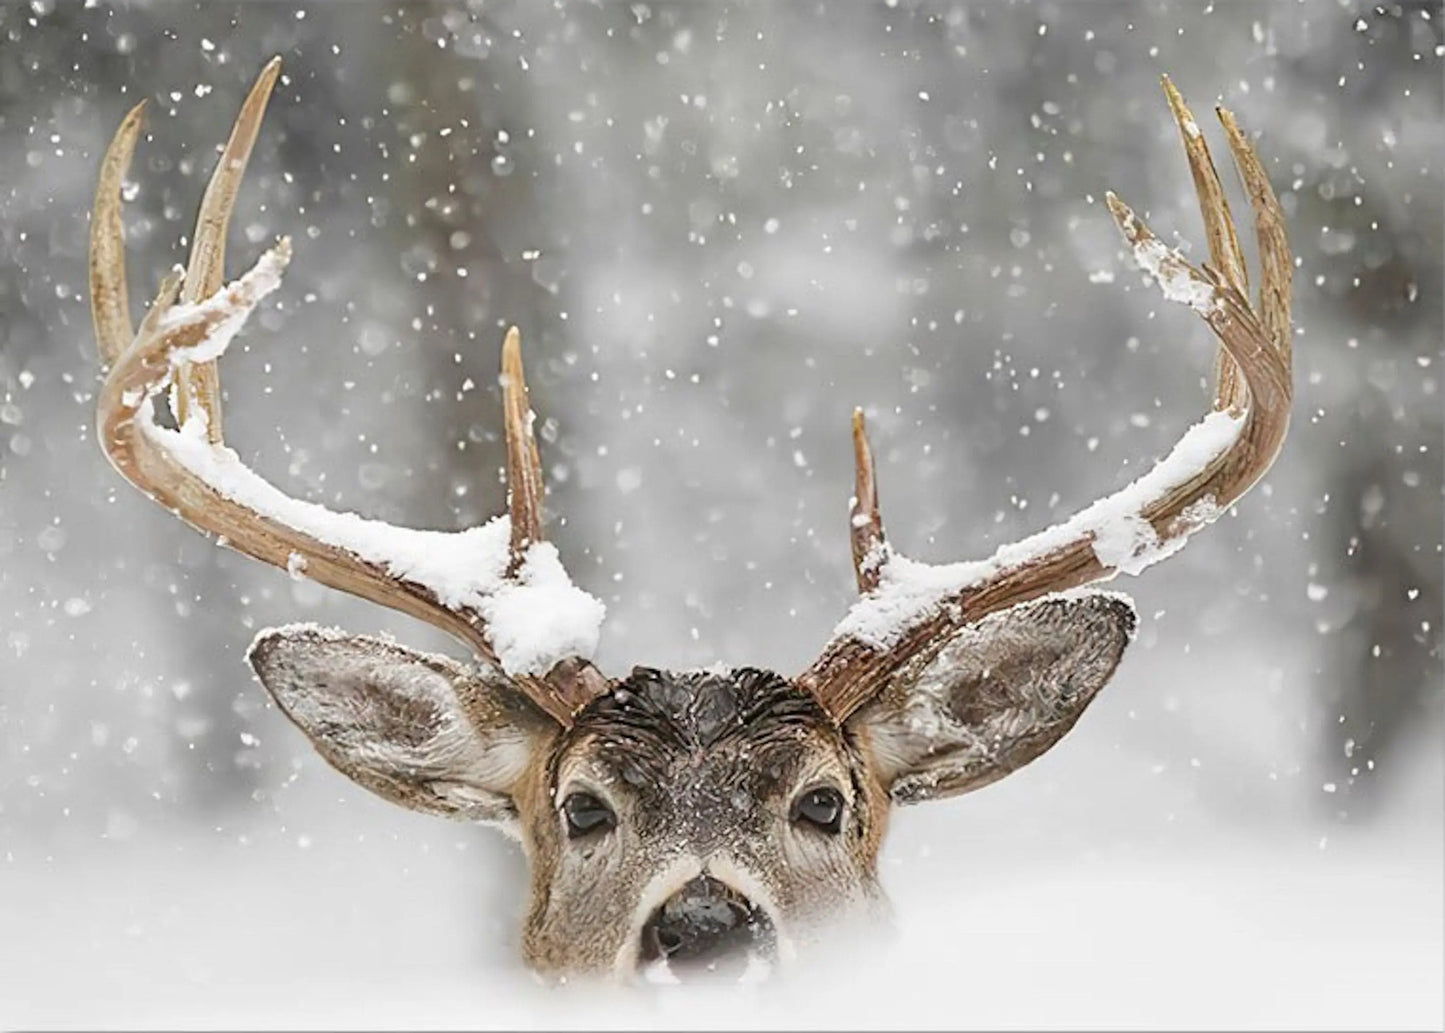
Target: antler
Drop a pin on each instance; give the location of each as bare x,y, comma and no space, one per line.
499,588
909,609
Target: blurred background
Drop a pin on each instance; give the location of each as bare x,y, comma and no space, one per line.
719,227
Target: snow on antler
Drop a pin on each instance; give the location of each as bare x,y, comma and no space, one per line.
908,609
909,591
499,588
534,620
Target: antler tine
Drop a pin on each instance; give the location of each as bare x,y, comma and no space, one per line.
865,521
913,610
1276,289
524,463
1224,252
445,579
200,384
109,294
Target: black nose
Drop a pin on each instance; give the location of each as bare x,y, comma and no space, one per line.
706,926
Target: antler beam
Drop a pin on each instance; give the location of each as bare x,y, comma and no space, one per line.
908,609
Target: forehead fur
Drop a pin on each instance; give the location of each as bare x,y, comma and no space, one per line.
656,724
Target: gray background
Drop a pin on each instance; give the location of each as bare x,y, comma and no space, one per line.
719,228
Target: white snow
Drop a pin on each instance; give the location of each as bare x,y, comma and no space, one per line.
660,973
1170,269
1125,543
541,617
1178,282
534,620
230,307
910,591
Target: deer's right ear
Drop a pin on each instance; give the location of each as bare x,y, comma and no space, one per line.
997,695
419,730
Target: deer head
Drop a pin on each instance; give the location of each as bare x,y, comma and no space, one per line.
675,816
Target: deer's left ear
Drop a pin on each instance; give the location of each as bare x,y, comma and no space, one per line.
998,694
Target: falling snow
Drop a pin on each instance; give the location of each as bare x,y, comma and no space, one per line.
720,228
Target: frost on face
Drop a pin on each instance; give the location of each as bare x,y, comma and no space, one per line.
534,619
1122,539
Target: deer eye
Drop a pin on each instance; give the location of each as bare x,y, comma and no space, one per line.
585,813
822,807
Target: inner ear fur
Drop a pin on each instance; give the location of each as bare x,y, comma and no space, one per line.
420,730
998,694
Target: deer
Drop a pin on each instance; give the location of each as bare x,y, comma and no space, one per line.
676,821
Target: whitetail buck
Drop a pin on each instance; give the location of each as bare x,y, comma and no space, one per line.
676,816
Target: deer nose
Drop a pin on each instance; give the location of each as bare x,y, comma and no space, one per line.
706,926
